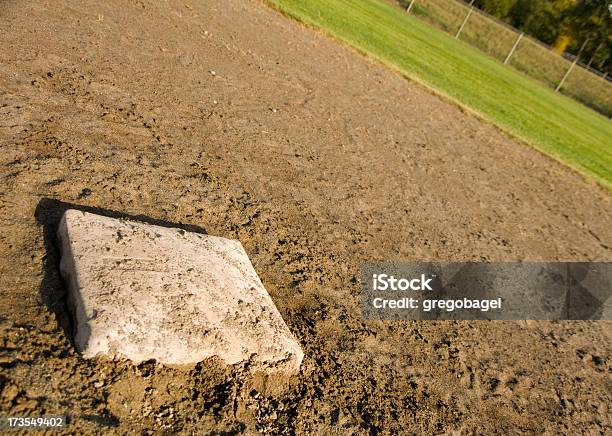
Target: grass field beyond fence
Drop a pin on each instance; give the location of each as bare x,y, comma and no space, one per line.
553,123
531,57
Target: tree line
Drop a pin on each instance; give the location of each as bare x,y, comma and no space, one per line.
566,25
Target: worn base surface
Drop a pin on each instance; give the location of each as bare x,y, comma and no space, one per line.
148,292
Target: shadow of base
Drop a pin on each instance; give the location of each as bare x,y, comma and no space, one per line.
53,289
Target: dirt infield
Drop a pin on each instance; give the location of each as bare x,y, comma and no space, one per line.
227,116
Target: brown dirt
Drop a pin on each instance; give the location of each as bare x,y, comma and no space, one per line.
316,159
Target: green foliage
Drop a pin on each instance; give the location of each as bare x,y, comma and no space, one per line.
544,19
498,8
548,20
592,22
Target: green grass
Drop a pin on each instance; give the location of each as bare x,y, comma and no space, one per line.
530,57
553,123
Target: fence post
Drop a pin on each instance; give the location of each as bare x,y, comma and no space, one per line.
569,70
409,6
571,67
514,48
467,17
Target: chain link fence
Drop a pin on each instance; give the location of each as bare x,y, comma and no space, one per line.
507,44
